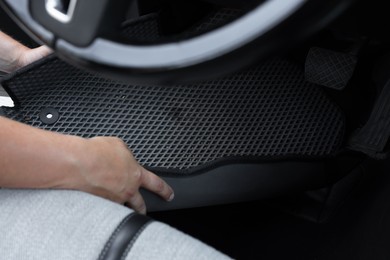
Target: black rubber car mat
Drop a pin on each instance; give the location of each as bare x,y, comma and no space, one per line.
266,113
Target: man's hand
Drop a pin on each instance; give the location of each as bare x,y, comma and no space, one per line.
14,55
111,171
28,55
37,159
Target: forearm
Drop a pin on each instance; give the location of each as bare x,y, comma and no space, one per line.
33,158
10,53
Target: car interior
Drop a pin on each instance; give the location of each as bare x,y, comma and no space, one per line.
270,119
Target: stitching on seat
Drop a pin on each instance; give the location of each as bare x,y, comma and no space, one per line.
113,236
130,245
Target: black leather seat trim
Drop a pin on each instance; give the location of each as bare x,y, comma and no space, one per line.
122,236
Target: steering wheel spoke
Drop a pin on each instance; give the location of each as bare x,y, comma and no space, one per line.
80,22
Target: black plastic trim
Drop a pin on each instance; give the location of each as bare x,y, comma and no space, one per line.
241,182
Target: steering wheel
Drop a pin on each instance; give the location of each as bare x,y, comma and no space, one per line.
86,34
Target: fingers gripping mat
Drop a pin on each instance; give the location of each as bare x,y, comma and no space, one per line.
268,112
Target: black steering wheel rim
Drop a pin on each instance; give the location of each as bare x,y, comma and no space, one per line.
195,50
257,34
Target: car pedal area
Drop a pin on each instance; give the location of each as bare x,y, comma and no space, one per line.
329,68
333,67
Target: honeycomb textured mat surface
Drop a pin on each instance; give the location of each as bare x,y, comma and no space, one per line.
266,113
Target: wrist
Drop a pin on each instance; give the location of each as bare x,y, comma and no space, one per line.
87,160
75,164
101,164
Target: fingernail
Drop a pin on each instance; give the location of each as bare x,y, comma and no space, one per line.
171,197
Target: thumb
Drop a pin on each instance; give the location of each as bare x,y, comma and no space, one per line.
34,55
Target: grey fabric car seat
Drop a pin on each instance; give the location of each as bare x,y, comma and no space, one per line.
62,224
